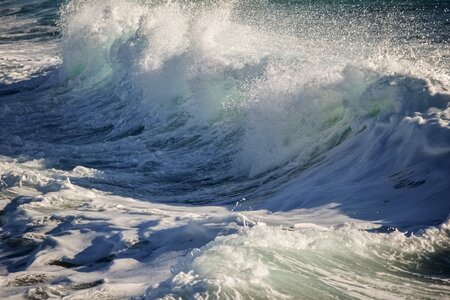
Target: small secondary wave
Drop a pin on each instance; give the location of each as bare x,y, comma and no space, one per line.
266,262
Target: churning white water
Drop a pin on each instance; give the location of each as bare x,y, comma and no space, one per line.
236,150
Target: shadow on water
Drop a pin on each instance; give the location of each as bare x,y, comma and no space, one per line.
19,250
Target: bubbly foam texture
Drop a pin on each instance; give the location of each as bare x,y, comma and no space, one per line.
313,263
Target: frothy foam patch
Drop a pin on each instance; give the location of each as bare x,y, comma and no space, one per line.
271,262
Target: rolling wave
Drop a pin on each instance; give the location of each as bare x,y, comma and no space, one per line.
193,104
254,106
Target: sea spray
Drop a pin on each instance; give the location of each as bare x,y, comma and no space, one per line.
129,132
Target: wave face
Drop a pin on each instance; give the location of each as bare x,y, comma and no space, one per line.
273,106
214,102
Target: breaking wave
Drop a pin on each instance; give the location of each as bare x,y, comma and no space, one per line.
250,105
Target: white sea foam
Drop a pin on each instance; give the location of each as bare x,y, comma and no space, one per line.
265,262
332,126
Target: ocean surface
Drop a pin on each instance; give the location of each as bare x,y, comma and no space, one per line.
224,149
